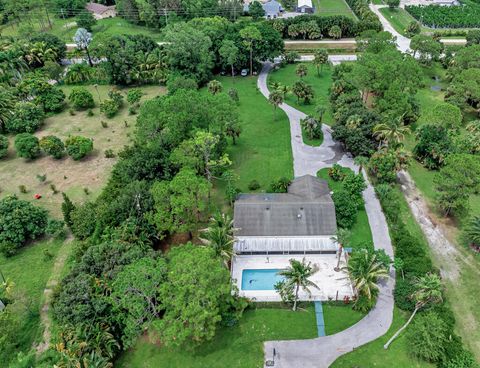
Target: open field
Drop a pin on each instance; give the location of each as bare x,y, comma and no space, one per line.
398,18
332,7
67,175
339,317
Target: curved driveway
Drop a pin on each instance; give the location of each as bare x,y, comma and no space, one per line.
323,351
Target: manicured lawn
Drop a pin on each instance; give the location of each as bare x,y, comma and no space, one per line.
398,18
333,7
373,354
339,317
66,174
320,84
240,346
263,152
30,271
361,233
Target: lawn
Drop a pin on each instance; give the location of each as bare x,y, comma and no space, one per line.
398,18
66,174
66,28
373,354
240,346
263,152
30,270
333,7
361,232
339,316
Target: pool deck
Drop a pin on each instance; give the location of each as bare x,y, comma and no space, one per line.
332,285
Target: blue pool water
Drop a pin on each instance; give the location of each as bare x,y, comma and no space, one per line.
260,279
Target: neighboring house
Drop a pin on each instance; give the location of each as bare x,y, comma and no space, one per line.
272,228
100,11
273,9
305,6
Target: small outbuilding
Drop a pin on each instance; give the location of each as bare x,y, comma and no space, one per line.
273,9
101,11
305,6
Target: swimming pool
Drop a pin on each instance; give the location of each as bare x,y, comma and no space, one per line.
260,279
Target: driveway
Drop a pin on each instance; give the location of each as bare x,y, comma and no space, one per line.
323,351
403,43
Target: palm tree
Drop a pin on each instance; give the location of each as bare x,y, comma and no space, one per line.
361,161
38,53
342,237
297,275
283,89
214,87
275,98
428,290
364,270
391,133
6,107
472,232
220,235
320,59
301,70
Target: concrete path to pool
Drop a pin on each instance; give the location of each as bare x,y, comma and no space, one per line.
321,352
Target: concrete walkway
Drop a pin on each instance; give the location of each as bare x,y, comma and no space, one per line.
323,351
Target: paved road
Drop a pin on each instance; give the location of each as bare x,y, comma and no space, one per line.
323,351
403,43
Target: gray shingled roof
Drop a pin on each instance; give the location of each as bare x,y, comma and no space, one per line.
306,210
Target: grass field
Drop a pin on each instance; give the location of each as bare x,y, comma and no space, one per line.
361,232
333,7
339,317
66,174
30,271
398,18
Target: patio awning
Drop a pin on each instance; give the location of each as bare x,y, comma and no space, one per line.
284,244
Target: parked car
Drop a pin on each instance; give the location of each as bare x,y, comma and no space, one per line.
244,72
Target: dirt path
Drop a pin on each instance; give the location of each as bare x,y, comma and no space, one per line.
457,266
51,283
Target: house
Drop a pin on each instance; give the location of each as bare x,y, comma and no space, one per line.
273,9
100,11
272,228
305,6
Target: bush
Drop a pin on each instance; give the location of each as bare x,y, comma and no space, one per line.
433,145
176,83
346,209
78,147
116,97
20,221
427,337
336,172
3,146
279,186
134,95
355,185
83,219
86,20
27,146
291,57
52,146
55,228
383,166
52,100
253,185
81,98
109,108
404,290
27,118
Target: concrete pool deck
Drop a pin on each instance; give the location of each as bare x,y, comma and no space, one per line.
329,282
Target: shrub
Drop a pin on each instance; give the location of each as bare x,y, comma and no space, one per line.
393,3
3,146
109,108
354,184
27,146
427,337
254,185
86,20
383,166
20,221
134,95
336,172
55,228
109,153
233,94
81,98
27,118
78,147
404,290
280,185
346,209
176,83
52,100
413,28
52,146
291,57
83,219
116,96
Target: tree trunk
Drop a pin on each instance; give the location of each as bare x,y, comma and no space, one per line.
339,257
233,73
296,298
89,58
400,330
251,60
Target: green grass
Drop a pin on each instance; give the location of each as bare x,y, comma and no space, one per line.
338,317
66,174
333,7
361,232
263,152
373,354
240,346
320,84
398,18
30,272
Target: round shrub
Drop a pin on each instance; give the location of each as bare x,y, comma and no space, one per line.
253,185
52,146
3,146
20,221
27,118
383,166
134,95
27,146
52,100
404,290
81,98
78,147
109,108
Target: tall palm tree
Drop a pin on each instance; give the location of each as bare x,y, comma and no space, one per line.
297,275
364,270
220,235
342,237
275,98
428,290
392,133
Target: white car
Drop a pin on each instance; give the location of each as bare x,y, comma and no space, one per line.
244,72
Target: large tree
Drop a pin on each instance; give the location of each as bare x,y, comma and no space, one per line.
464,91
250,36
229,54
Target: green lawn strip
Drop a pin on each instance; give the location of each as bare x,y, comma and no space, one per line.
398,18
30,271
240,346
320,84
315,142
263,152
339,316
374,355
333,7
361,232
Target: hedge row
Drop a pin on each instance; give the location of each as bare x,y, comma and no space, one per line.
367,19
435,16
346,24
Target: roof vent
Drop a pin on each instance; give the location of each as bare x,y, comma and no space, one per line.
267,208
